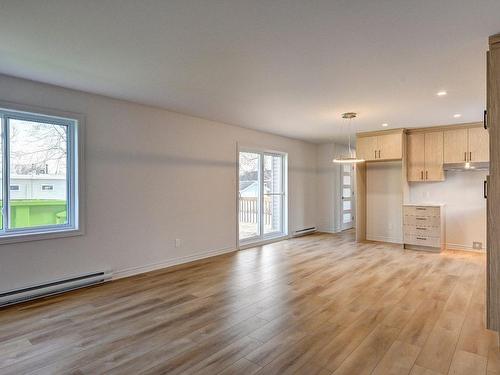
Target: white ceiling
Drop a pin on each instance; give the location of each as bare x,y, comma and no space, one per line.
287,67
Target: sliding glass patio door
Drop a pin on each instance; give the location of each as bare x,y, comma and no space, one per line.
261,196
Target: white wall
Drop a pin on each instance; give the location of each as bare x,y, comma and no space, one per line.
462,193
384,199
329,193
152,176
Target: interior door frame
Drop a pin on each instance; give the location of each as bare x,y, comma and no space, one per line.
262,238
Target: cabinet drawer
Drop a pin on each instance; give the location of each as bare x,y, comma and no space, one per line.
422,221
412,239
421,211
422,230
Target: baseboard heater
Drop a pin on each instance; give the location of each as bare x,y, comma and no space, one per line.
304,232
54,287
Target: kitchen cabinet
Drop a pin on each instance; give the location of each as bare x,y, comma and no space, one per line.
478,145
380,147
366,148
466,145
423,227
455,145
425,156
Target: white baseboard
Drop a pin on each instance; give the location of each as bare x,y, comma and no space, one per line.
119,274
395,240
454,246
329,230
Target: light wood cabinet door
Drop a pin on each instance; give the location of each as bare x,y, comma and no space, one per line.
479,145
416,156
434,156
455,145
390,146
366,148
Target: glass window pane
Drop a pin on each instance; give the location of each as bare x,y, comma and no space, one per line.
273,206
346,192
347,168
273,180
346,205
38,173
273,184
347,218
249,195
347,180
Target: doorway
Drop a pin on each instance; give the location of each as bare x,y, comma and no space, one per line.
262,199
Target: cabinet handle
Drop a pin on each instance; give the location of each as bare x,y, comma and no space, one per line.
375,154
470,155
379,154
485,189
421,228
422,175
420,218
485,119
426,175
422,238
465,156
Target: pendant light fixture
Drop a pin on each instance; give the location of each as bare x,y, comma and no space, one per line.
350,158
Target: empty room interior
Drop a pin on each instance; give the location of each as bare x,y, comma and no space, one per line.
249,187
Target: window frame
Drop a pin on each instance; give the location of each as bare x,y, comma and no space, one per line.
74,177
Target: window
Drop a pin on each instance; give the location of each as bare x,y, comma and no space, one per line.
40,153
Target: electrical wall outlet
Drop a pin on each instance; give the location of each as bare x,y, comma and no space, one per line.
178,242
476,245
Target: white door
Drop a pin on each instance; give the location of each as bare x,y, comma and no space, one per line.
262,196
347,204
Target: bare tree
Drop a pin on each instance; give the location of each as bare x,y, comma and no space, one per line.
38,148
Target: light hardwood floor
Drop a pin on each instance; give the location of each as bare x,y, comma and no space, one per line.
321,304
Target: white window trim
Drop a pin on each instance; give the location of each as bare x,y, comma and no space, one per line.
78,227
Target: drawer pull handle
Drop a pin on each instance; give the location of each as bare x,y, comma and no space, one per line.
421,228
421,218
422,238
421,208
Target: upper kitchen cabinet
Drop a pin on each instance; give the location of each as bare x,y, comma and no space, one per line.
425,156
479,144
380,146
455,145
467,144
366,148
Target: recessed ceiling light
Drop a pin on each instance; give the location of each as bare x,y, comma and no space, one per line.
441,93
457,115
385,125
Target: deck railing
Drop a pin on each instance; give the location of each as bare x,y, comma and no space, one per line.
249,210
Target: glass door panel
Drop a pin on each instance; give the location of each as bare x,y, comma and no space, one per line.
347,216
249,195
273,194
